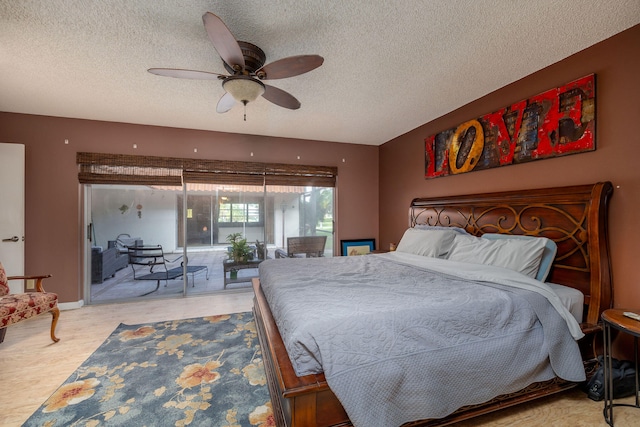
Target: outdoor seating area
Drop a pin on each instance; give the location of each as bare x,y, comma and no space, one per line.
123,285
149,263
213,264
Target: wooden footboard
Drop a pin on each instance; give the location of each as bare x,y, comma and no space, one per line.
309,402
297,401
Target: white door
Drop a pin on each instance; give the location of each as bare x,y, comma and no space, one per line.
12,171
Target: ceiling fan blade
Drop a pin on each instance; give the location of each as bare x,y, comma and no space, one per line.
185,74
280,97
291,66
225,103
222,39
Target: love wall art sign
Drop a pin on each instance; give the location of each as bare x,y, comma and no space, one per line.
555,123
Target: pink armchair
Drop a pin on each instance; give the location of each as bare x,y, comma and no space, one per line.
17,307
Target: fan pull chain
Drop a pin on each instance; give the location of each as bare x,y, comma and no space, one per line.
245,110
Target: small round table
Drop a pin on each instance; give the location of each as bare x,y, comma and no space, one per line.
615,318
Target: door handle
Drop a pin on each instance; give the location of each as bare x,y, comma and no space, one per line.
12,239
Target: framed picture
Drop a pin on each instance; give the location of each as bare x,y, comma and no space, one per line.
357,247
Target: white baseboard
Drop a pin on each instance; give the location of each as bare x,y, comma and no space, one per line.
70,305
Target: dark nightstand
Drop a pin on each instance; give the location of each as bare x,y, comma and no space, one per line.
615,318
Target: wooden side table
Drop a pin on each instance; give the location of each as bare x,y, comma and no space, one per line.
229,265
615,318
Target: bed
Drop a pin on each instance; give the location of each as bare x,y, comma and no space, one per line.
574,218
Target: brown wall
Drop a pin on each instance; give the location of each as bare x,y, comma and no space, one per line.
615,62
53,210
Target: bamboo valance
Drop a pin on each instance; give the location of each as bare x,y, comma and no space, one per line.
98,168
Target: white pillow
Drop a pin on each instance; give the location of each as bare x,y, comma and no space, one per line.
431,243
519,255
548,254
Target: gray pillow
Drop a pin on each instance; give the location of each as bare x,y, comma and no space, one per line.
518,255
427,242
548,253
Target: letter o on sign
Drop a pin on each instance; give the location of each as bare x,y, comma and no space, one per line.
474,153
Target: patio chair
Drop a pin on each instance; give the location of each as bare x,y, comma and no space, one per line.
149,263
15,308
123,242
307,246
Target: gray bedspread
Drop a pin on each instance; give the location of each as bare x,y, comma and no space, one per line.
398,342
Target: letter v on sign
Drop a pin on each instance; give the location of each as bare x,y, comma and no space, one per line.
505,140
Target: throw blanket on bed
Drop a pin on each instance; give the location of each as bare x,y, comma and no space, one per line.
399,342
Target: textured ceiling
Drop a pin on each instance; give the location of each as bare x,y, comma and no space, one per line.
390,66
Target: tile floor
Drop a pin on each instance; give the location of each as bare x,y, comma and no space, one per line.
32,366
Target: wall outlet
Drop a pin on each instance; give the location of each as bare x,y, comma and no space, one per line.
31,284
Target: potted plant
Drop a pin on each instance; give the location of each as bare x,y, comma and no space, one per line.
239,251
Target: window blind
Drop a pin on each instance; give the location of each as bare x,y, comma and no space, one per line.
300,175
223,172
98,168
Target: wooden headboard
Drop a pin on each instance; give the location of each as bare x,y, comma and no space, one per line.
574,217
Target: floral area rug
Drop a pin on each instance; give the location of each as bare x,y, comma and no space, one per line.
193,372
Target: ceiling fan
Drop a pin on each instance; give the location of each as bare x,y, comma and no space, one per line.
245,63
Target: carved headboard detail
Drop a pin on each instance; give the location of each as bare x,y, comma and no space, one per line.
574,217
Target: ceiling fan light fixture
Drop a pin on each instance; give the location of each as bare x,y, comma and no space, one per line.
244,89
245,63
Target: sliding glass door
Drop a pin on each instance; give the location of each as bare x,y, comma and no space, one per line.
196,234
123,216
214,213
301,211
